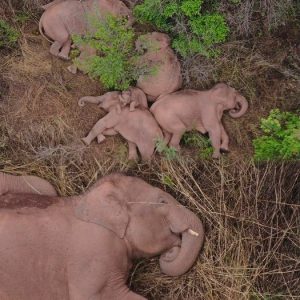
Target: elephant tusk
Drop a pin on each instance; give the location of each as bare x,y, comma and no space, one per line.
192,232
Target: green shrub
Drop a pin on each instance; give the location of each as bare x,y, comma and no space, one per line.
169,152
115,66
281,139
199,141
192,31
8,35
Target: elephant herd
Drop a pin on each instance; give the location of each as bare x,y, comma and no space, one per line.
175,110
82,247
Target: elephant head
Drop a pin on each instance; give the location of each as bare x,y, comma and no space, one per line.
149,220
230,99
134,94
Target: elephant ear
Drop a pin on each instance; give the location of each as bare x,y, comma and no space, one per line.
104,209
222,93
139,96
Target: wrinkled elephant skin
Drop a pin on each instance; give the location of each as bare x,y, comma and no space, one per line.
82,246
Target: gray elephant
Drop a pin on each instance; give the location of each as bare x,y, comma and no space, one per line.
82,247
186,110
138,127
25,185
62,19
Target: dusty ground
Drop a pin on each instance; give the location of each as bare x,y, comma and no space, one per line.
250,212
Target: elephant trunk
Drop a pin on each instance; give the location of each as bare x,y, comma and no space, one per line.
90,99
177,261
242,104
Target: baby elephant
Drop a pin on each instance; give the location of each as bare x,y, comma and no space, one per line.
133,97
82,247
201,110
138,127
166,77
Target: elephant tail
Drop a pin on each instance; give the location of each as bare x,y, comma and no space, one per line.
41,29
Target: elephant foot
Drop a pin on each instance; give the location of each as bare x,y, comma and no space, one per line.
216,155
86,141
224,150
63,56
72,69
100,138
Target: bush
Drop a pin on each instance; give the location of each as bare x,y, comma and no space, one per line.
281,139
115,66
199,141
192,31
8,35
169,153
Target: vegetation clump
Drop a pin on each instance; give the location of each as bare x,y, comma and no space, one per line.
281,139
115,66
202,143
170,153
192,31
8,35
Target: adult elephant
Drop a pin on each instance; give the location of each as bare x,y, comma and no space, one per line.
62,19
186,110
25,184
166,70
84,245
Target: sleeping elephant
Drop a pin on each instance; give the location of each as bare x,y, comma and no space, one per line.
25,185
186,110
62,19
82,247
134,97
138,127
157,54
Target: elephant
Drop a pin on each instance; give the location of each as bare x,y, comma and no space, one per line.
46,6
166,75
186,110
138,127
82,247
25,185
134,97
62,19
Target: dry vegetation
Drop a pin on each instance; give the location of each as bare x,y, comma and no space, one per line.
250,212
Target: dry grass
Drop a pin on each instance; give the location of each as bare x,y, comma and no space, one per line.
250,213
251,216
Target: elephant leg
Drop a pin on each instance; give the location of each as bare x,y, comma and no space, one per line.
224,139
167,136
100,138
175,139
55,47
64,53
110,132
132,151
215,137
106,123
